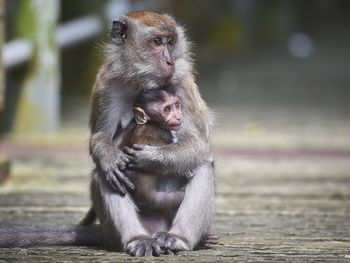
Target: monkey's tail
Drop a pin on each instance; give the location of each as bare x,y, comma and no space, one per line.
54,236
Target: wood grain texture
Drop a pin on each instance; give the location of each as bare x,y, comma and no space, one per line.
267,209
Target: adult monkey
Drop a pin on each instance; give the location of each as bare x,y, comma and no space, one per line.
158,118
149,50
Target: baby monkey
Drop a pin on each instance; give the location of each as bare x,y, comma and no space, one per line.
157,118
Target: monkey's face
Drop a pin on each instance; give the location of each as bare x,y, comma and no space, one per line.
146,43
166,112
172,116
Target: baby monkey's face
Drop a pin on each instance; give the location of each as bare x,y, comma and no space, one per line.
166,112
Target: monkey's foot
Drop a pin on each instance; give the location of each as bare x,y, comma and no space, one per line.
143,246
171,243
209,240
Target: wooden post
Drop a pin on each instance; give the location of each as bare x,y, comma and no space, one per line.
4,162
38,105
2,40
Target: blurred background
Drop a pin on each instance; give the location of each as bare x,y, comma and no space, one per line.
271,70
276,74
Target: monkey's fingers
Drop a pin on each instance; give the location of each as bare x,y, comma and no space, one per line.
212,237
141,251
122,166
129,151
153,250
132,164
124,179
169,242
211,241
214,240
148,252
130,158
125,159
143,246
138,147
156,249
114,183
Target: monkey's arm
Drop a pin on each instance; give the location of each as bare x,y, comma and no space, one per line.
105,121
178,158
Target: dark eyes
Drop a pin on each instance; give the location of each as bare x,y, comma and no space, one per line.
167,110
158,41
177,105
171,41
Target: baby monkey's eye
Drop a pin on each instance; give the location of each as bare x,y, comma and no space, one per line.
167,110
177,105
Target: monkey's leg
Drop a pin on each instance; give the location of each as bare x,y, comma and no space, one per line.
119,219
194,216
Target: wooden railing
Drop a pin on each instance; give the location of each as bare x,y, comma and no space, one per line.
19,51
39,42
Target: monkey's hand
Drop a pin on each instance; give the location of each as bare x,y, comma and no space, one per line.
143,157
113,167
141,246
176,158
171,243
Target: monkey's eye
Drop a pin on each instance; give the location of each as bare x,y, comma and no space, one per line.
177,105
157,41
171,41
167,110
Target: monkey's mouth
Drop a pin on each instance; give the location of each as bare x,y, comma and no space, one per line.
166,78
167,75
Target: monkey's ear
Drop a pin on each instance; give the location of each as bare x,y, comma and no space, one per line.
118,31
140,116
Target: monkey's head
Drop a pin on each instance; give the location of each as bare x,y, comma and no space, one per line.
148,48
161,107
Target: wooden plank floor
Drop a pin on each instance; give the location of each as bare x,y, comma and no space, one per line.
270,206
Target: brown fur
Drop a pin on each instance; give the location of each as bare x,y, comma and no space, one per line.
129,68
151,19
